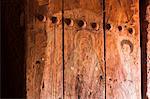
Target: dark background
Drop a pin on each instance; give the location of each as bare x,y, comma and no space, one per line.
144,40
13,49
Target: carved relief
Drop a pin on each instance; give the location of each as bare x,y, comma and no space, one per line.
84,61
84,69
122,63
129,43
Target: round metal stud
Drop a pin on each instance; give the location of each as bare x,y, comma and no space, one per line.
95,26
54,19
130,30
108,26
81,23
69,22
41,18
120,28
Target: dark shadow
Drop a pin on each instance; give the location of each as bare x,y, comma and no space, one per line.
143,37
13,50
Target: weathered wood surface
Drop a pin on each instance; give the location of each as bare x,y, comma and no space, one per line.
123,70
148,50
84,69
83,49
44,50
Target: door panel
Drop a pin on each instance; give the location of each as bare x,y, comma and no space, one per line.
75,68
44,50
83,50
123,71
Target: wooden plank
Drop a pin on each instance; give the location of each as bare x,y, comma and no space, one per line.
148,48
123,67
84,73
44,49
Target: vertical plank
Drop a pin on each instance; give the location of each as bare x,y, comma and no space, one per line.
83,50
123,67
148,48
44,49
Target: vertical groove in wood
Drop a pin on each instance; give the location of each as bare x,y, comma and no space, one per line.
44,50
123,67
104,37
63,57
84,73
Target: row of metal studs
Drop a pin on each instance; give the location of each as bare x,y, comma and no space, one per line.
69,22
81,23
130,30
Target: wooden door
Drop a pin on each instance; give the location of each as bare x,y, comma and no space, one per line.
83,49
84,72
123,71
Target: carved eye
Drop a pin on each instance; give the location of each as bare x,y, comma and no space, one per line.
81,23
95,26
54,19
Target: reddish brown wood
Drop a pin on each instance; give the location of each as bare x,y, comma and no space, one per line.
44,50
84,73
123,70
84,69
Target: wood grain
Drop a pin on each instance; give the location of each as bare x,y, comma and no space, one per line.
44,50
84,69
83,49
123,71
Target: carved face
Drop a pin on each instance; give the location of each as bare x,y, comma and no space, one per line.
85,44
84,41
